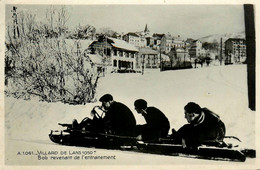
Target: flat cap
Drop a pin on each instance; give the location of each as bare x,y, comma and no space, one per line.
192,107
140,104
106,98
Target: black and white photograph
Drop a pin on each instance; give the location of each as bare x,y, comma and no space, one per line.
129,84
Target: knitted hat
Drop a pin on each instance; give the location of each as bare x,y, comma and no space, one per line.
140,104
106,98
192,107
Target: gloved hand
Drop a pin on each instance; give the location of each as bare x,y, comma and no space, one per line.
98,112
139,137
93,112
183,143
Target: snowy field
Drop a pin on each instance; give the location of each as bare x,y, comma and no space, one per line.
222,89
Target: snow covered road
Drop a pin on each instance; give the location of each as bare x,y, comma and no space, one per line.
222,89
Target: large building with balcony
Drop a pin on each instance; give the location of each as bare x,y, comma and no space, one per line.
235,50
116,54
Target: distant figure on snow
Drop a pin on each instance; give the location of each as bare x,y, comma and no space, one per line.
201,63
196,61
157,124
203,126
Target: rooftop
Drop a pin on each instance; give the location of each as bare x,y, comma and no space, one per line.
95,58
147,51
132,34
82,43
122,44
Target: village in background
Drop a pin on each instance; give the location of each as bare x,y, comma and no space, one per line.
48,60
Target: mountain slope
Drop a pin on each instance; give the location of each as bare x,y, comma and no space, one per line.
217,37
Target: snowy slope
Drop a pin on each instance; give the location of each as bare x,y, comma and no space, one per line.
222,89
217,37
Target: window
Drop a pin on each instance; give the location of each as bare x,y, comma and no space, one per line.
115,63
120,53
108,52
115,52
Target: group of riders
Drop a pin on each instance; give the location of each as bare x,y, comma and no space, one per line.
203,125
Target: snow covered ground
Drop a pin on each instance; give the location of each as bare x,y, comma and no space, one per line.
222,89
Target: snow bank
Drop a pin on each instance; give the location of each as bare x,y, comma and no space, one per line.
221,89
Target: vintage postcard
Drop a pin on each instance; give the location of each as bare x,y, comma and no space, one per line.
138,84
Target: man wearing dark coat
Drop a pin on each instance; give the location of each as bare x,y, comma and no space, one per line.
118,119
157,124
204,127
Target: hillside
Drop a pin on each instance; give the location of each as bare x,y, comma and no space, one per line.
217,37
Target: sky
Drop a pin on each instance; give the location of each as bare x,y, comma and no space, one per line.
190,21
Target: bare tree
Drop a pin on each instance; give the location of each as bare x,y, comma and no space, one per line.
83,32
45,66
107,31
56,19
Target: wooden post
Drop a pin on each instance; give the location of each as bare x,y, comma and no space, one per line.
220,59
251,54
160,60
142,57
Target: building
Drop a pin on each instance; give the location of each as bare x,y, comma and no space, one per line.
150,41
196,43
77,46
179,57
117,54
196,49
143,42
164,60
178,42
147,58
146,30
166,43
118,35
189,41
235,50
157,41
135,39
80,48
96,63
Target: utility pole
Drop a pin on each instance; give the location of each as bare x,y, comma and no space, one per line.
184,55
160,60
15,22
249,14
78,49
105,59
221,51
142,58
